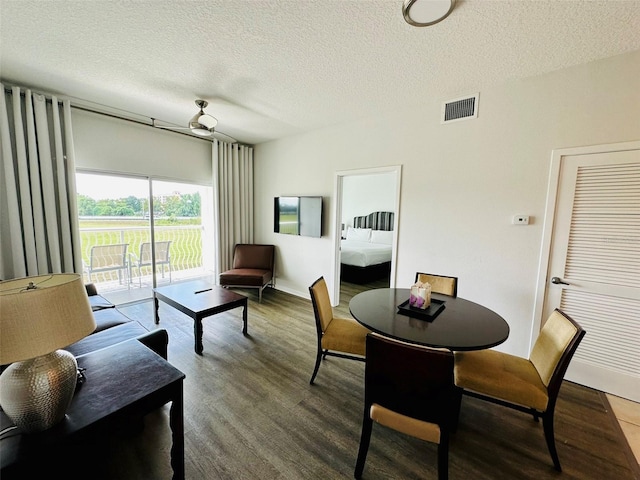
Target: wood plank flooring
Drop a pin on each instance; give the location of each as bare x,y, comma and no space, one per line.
250,413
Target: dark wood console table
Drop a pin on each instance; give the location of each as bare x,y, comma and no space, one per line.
126,380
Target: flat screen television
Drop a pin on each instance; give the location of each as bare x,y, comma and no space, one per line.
298,216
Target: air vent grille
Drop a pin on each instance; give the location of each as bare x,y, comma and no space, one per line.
460,109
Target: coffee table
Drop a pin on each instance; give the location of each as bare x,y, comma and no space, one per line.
124,381
199,299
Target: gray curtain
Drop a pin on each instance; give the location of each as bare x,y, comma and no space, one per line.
233,198
39,231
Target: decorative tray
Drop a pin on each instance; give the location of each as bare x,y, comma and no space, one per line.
428,314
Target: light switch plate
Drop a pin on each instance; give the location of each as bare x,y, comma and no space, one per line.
520,220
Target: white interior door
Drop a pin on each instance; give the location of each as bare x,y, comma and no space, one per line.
594,265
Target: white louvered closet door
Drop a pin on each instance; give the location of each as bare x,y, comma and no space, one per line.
595,250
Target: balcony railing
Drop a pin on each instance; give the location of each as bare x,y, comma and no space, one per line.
185,252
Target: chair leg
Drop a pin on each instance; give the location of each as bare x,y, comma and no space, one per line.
547,424
455,409
365,438
443,457
315,369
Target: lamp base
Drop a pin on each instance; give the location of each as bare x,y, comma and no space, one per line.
36,393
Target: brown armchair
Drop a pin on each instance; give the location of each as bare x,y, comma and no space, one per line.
253,267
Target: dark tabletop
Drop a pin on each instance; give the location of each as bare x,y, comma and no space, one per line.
198,295
124,378
461,324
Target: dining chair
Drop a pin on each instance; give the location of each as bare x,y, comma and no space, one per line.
439,283
527,385
337,337
408,388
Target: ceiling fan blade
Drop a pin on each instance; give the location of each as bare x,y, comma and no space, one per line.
216,134
224,137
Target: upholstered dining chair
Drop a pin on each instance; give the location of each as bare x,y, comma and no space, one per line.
408,388
337,337
528,385
439,283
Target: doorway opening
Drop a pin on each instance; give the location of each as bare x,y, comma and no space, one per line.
359,193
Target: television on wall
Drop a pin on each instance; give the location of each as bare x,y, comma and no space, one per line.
298,216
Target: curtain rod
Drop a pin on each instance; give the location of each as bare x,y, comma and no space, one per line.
139,122
8,89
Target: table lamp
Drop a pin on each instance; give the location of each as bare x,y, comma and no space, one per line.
38,316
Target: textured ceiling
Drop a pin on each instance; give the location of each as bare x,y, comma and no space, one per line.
270,69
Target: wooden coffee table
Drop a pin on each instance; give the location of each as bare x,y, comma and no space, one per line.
200,299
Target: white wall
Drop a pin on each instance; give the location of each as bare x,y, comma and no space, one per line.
364,194
461,182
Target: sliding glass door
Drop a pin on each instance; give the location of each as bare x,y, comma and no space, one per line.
129,225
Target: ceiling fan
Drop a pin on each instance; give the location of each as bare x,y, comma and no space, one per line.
201,124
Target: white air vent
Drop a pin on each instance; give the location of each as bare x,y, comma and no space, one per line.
460,109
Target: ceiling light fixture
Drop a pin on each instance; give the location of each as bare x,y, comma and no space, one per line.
422,13
202,123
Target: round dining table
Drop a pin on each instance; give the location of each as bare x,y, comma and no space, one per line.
459,325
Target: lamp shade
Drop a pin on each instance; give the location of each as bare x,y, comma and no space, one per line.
39,315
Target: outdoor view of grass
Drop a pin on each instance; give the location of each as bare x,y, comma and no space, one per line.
185,236
113,210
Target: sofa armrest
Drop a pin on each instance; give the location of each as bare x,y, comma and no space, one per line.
157,340
91,289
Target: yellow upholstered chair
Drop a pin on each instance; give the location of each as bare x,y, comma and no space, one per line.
410,389
439,283
528,385
337,337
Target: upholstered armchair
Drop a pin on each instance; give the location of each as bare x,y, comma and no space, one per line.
253,267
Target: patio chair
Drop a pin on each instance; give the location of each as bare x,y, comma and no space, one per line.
107,258
163,257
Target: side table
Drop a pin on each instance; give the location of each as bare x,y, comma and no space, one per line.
124,380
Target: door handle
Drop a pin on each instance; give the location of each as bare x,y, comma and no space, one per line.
559,281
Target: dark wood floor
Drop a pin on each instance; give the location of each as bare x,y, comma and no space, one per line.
250,413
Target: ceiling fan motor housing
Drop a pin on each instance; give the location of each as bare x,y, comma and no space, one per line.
202,123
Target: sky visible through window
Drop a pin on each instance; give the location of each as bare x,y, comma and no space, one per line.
101,187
